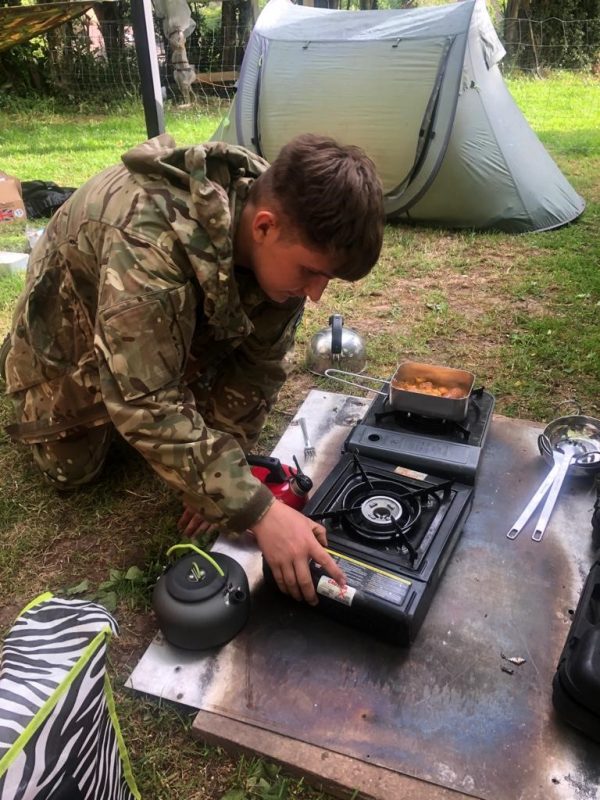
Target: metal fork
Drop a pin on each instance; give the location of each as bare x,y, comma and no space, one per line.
309,450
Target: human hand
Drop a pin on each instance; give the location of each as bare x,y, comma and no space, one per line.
288,541
191,524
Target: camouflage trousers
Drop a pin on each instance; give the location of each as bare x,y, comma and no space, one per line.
74,461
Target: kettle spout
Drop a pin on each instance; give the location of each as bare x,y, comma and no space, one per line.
237,595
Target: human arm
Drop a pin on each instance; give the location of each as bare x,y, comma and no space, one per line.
145,325
142,342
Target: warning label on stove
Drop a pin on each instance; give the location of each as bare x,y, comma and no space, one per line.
370,580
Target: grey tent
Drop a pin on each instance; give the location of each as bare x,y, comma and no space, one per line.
420,90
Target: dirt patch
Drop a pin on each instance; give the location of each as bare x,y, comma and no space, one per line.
136,631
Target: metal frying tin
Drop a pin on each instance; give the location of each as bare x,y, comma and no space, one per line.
458,380
428,405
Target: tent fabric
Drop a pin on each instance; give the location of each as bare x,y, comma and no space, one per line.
420,90
18,24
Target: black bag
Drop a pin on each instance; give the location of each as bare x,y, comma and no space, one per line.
43,198
576,684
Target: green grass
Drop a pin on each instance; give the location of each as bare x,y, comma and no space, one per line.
70,148
562,109
522,312
10,286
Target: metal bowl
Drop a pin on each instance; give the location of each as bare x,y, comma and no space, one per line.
579,431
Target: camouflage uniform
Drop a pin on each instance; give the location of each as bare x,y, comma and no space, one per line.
134,316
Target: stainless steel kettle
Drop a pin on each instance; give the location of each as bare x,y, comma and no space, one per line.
336,347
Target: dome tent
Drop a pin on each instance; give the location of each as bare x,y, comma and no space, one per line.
420,90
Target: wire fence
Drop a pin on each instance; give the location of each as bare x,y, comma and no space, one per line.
94,61
109,72
537,45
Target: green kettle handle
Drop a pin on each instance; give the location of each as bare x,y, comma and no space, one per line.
186,546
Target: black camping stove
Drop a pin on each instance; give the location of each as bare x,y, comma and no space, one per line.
394,507
442,447
392,535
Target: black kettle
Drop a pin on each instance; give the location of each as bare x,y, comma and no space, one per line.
201,601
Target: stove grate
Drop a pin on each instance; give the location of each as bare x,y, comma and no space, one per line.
384,511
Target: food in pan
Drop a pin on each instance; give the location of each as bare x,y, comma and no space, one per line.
426,386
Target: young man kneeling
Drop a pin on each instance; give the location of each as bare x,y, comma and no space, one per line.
162,301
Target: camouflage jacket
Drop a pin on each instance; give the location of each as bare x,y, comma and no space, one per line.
131,297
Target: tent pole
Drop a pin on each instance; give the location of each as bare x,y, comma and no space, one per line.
145,47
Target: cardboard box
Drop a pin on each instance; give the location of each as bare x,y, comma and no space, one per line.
11,201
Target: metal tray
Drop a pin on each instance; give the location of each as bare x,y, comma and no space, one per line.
427,405
454,408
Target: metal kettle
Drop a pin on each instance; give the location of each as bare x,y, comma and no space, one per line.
336,347
201,602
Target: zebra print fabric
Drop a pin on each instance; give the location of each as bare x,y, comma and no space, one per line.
59,736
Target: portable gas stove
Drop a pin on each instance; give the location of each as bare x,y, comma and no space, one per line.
392,535
394,507
442,447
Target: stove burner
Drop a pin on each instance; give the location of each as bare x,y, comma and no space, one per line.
384,512
379,512
433,446
428,425
380,509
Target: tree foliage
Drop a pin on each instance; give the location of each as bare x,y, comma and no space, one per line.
552,33
64,63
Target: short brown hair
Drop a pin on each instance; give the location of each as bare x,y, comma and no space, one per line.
332,198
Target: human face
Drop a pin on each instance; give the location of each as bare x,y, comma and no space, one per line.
284,267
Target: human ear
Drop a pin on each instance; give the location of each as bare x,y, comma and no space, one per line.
264,224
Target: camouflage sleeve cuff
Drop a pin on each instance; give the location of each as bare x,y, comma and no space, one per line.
258,505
